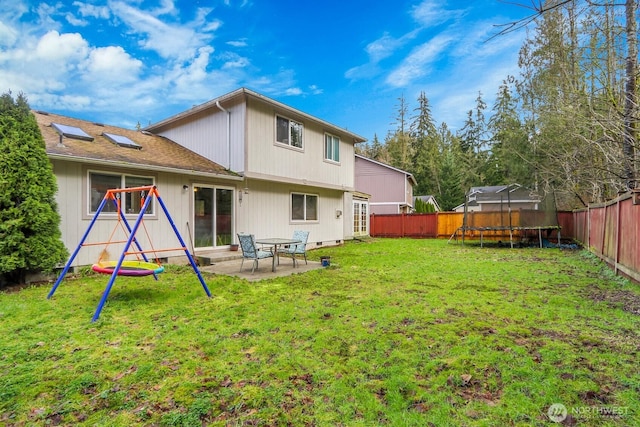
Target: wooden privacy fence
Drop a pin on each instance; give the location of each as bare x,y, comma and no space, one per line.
610,231
445,224
404,225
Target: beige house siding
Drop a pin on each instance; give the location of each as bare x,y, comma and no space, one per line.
209,134
268,159
72,182
266,212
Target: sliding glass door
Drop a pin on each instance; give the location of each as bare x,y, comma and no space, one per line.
213,216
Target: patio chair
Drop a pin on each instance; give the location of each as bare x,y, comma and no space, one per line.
250,251
297,249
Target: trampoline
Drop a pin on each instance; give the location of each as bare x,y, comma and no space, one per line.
128,268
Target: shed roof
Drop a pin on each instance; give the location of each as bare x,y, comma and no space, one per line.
144,151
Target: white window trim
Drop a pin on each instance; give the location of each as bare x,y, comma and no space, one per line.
284,144
304,221
122,175
324,151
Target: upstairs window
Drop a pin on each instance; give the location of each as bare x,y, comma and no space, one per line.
331,147
288,132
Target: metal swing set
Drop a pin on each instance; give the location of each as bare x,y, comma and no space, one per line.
142,266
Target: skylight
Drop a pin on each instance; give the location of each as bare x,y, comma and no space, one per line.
121,140
71,132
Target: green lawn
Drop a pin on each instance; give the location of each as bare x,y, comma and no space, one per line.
395,332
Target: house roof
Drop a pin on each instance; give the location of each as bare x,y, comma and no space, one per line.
110,145
244,92
408,174
515,193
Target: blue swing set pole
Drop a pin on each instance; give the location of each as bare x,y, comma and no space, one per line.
112,279
75,252
175,229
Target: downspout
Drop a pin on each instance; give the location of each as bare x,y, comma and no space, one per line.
228,131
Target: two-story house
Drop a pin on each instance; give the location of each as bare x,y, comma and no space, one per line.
297,170
239,163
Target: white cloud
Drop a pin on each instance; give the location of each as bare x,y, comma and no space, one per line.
293,91
71,19
87,10
61,50
315,90
237,43
8,35
112,64
177,42
433,12
236,61
416,65
378,50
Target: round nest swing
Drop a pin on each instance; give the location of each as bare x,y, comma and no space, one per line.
128,268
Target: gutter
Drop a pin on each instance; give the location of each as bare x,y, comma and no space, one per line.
228,131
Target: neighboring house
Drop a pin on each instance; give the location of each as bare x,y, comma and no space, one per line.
297,170
500,198
430,200
89,158
390,189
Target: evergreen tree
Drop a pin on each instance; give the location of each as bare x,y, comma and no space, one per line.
425,149
511,156
398,143
451,170
474,147
29,221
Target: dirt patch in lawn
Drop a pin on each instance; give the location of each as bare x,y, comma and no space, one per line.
626,300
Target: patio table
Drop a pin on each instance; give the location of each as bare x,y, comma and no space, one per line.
276,242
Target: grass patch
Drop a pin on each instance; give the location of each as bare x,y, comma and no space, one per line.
394,332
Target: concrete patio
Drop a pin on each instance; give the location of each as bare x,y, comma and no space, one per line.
229,265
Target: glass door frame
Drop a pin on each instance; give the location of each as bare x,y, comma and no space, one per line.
357,221
214,188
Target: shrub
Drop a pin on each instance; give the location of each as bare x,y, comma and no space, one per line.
29,221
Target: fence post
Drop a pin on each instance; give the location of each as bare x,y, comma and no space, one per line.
617,249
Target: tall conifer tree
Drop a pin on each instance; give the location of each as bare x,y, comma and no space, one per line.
29,221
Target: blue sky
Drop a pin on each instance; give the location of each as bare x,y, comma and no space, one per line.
346,62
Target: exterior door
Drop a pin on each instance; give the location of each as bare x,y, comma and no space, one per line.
213,216
360,218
